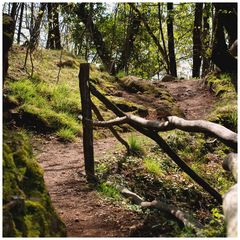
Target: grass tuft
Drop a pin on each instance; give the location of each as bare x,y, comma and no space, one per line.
66,134
109,191
135,147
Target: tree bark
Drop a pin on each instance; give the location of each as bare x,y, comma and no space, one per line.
220,53
102,50
54,38
156,41
172,122
206,39
197,45
20,23
128,46
171,48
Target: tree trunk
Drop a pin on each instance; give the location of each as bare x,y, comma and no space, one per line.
206,39
132,30
7,34
56,31
102,50
225,14
197,45
34,39
50,43
156,41
20,23
171,50
14,17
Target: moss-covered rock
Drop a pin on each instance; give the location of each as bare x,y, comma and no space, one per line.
225,111
27,208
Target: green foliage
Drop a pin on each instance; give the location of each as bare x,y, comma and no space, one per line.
33,215
109,191
216,226
153,166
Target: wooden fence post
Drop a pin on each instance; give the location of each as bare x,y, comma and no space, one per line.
87,120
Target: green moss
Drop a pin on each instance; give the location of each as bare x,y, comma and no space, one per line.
225,111
32,215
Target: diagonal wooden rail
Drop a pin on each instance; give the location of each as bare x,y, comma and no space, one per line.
155,136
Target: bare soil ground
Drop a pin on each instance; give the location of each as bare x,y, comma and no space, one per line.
192,97
83,211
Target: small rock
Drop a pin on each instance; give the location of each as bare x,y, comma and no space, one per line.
76,220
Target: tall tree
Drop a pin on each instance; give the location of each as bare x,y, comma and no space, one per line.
155,39
132,30
206,39
13,15
171,48
86,17
226,17
197,45
20,23
54,38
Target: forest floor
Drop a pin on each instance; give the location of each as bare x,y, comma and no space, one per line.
79,205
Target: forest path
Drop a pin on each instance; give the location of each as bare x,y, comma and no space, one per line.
77,203
192,97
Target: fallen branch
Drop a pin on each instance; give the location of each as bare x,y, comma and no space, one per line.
180,215
227,136
154,136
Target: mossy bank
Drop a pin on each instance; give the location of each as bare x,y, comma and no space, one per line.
27,208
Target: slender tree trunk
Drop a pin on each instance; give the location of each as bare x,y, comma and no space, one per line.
206,39
56,31
197,45
14,16
20,23
102,50
132,30
161,28
156,41
50,41
171,49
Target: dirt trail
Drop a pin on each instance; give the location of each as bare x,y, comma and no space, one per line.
78,204
83,211
192,97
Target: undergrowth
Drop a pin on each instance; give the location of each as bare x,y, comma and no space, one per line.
155,176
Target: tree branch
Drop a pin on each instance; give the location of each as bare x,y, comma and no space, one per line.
176,213
227,136
166,148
